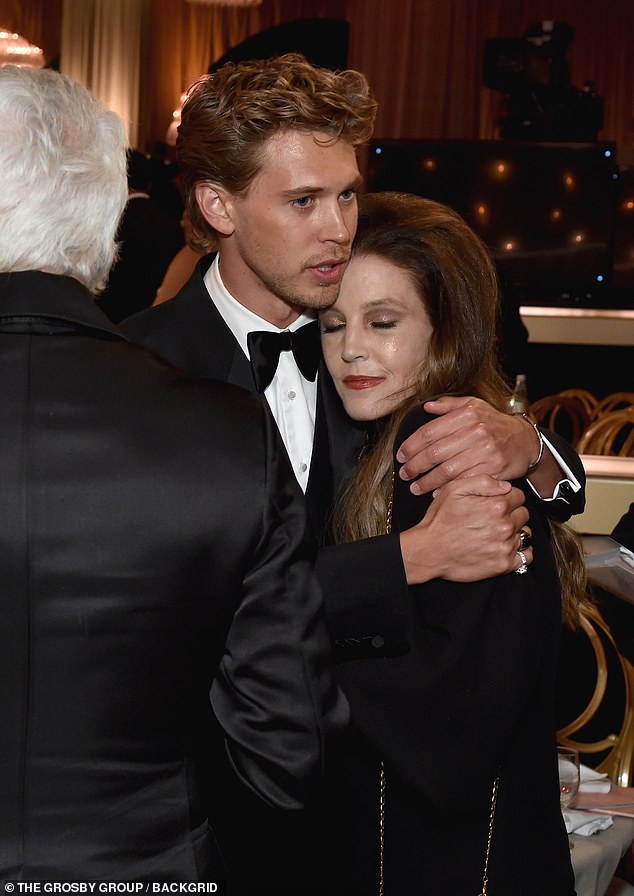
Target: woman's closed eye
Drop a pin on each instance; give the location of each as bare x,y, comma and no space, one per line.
383,324
331,326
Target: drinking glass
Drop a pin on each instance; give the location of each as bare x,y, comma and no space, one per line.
568,778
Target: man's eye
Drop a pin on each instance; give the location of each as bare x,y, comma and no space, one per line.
303,201
348,194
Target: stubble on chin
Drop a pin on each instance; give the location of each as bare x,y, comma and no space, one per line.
319,298
300,294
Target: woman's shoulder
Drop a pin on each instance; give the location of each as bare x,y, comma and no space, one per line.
408,509
415,417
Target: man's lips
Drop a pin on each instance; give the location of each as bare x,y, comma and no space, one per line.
328,272
362,382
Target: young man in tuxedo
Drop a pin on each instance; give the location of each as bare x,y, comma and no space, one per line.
154,554
268,161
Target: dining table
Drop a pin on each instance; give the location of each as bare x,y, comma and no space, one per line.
595,859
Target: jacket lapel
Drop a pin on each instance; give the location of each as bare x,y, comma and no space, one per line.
191,333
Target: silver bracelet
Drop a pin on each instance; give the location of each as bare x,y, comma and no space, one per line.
540,454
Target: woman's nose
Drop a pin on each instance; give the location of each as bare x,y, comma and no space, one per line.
353,346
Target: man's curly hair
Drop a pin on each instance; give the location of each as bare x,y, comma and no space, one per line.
228,116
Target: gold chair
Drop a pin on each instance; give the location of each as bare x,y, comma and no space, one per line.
598,675
587,399
611,434
566,413
615,401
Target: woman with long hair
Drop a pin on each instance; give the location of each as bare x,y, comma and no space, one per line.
449,774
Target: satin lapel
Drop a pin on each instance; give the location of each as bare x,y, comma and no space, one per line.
240,373
226,359
211,347
320,490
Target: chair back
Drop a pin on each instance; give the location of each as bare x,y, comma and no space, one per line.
587,399
615,401
612,434
596,688
566,414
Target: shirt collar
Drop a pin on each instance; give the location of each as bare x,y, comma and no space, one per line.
239,319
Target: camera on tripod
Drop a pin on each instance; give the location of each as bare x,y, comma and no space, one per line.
540,103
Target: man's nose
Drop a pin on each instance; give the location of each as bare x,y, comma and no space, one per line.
337,225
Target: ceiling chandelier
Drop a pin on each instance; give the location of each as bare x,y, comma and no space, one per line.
15,50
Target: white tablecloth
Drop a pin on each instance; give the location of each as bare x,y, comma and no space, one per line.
595,858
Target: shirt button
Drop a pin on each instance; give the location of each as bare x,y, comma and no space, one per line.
303,468
292,395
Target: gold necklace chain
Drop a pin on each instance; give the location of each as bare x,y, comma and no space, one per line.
388,529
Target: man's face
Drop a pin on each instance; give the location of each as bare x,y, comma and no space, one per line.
293,229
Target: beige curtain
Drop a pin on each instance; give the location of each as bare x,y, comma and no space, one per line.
103,46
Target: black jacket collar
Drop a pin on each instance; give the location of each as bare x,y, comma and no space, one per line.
35,294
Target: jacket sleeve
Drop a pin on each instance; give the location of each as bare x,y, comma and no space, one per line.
274,693
567,502
366,594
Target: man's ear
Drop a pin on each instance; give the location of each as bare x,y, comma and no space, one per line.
212,202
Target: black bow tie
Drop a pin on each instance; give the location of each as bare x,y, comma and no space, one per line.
264,351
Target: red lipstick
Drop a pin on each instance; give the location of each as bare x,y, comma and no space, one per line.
362,382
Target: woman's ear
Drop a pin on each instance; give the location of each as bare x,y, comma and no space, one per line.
213,205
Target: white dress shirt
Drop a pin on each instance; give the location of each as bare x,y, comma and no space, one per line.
291,397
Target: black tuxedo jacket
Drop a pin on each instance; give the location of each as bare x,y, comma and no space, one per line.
154,557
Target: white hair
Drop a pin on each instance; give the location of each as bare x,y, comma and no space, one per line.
63,177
